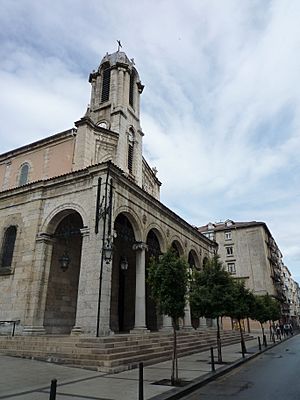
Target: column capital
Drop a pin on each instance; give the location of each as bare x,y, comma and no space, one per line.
140,246
45,237
85,231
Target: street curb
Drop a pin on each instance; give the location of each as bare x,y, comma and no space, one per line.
178,393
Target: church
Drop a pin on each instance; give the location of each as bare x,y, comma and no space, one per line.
80,217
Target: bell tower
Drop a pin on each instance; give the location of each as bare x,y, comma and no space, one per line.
112,121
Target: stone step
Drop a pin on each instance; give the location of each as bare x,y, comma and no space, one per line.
115,354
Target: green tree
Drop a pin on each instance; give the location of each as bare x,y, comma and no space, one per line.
266,308
211,294
168,280
241,307
260,312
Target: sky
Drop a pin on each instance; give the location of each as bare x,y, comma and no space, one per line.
221,104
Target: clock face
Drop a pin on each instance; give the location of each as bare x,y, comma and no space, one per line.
103,124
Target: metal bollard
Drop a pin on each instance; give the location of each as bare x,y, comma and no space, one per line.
259,343
53,389
213,368
141,381
243,349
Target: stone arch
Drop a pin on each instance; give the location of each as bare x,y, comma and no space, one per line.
205,260
63,276
153,250
177,246
59,213
193,259
194,263
134,219
159,234
122,308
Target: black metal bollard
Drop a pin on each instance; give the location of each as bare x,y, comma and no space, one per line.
141,381
53,389
243,349
259,343
273,338
213,368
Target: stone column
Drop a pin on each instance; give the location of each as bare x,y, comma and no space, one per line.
167,323
140,289
202,323
81,310
187,321
35,317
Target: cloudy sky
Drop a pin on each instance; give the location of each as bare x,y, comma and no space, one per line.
220,109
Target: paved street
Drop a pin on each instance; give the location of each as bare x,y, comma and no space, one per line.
273,375
22,379
262,378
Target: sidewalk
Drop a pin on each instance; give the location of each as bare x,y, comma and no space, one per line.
30,380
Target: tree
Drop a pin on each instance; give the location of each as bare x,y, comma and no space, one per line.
260,312
211,294
242,304
266,308
168,279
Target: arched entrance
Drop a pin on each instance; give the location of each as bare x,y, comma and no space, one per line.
151,310
61,300
123,277
192,264
177,248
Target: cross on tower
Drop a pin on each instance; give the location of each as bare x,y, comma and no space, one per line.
119,44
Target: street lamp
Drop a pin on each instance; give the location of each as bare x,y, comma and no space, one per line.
64,262
124,264
107,251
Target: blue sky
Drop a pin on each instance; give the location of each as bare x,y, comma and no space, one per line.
220,109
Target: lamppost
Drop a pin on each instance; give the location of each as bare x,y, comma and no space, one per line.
104,213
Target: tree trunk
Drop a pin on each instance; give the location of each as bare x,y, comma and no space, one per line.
244,350
219,347
262,329
174,375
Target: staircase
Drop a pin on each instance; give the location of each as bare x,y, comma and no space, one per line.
113,353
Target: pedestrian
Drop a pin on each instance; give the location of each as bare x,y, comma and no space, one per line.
281,328
291,329
278,332
286,329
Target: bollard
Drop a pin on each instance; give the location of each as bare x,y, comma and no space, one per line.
53,389
212,359
243,349
274,338
259,343
141,381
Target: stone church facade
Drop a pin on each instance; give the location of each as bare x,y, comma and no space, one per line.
80,217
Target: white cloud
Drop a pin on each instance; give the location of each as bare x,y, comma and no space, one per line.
220,108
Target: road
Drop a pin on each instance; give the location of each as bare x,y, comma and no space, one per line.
273,375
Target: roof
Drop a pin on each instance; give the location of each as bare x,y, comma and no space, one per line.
38,143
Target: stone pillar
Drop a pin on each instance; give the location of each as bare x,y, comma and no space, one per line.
35,317
187,321
202,323
77,328
140,289
167,323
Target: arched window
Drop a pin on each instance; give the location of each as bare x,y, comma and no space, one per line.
105,82
205,261
23,179
131,88
8,246
130,150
